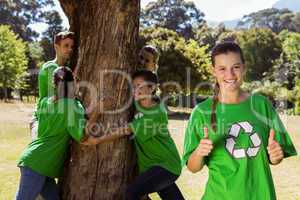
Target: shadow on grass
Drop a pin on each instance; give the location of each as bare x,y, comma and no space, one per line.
178,115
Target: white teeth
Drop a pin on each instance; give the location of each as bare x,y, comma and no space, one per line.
230,81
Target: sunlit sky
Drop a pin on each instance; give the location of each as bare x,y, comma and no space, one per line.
214,10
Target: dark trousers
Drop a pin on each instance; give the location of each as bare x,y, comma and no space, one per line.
156,179
32,184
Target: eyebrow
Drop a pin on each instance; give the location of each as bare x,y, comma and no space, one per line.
232,65
237,64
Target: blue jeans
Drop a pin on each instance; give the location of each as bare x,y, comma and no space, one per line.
32,184
156,179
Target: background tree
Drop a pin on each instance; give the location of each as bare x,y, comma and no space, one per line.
177,15
107,43
13,61
296,95
54,23
272,18
181,61
207,35
35,56
296,21
19,14
287,68
261,48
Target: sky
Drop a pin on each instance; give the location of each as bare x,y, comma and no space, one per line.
214,10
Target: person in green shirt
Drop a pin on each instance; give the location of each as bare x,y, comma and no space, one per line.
237,135
61,118
63,45
148,58
157,156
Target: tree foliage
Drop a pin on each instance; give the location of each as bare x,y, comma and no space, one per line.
19,14
13,61
181,61
287,68
177,15
261,48
272,18
54,22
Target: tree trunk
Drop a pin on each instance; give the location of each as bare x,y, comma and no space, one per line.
107,33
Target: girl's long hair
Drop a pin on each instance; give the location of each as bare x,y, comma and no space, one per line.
221,48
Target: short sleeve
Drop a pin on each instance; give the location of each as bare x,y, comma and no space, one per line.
193,135
281,134
75,120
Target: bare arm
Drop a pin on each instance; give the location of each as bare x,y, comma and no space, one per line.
196,161
115,134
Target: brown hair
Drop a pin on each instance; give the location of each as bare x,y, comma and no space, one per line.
62,75
221,48
63,35
153,50
148,76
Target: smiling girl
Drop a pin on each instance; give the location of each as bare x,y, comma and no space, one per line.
235,134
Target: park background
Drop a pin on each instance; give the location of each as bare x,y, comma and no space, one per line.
269,36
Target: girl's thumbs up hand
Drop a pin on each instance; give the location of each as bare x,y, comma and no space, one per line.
274,149
205,146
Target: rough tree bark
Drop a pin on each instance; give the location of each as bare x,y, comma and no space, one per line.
107,33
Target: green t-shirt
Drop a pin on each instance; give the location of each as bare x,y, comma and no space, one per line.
58,122
153,143
46,87
239,164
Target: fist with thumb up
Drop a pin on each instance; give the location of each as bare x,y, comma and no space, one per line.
205,146
274,149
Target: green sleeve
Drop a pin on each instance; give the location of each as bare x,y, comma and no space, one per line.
193,135
37,111
75,120
35,116
43,80
281,135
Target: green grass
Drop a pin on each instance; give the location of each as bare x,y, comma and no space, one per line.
14,136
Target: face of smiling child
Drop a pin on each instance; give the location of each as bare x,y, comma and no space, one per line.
141,89
229,71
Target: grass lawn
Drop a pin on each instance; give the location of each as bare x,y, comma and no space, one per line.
14,136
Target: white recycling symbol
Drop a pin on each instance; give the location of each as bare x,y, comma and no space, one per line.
138,115
234,133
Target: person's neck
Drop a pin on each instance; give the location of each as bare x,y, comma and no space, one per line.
60,61
147,103
233,97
